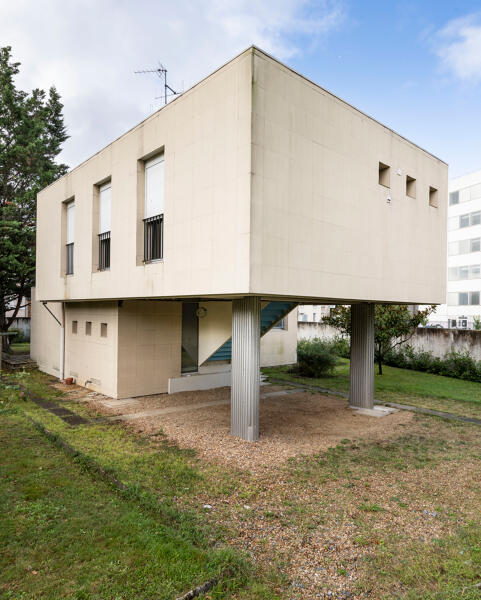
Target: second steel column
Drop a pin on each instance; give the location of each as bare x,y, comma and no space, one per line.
244,404
362,355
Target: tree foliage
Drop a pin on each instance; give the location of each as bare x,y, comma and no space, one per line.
31,134
393,325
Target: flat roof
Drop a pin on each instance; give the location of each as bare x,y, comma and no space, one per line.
270,57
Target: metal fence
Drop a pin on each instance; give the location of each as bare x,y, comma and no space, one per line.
104,251
69,250
153,238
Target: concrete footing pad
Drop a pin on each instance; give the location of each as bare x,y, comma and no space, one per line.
377,411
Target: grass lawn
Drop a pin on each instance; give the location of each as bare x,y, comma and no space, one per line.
395,518
20,347
67,534
402,386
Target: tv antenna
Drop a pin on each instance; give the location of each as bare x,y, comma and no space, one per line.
161,72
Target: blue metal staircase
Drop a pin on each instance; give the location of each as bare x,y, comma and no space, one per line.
271,314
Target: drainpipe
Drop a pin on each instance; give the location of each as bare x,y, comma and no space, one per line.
62,343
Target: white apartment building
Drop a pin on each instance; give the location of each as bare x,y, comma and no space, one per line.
464,255
313,313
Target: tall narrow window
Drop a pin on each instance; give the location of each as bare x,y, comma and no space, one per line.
433,197
154,209
70,237
104,226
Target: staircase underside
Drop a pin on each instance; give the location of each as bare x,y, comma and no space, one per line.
271,314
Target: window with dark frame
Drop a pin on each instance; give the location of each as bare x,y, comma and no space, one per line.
69,246
282,324
104,226
153,238
154,209
104,251
69,259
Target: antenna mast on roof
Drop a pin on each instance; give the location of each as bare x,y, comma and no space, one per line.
161,72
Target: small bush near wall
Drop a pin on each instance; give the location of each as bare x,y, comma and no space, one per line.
18,337
341,346
315,358
453,364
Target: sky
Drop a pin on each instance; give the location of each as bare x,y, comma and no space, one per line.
413,65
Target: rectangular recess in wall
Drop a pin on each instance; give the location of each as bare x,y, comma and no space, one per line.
103,330
433,197
410,187
384,175
88,327
74,326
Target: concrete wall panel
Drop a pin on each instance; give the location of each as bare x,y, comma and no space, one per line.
91,359
149,351
45,336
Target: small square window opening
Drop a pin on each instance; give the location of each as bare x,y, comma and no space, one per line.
384,175
410,187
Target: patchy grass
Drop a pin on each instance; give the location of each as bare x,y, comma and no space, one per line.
67,536
402,386
20,347
360,458
376,519
85,540
447,568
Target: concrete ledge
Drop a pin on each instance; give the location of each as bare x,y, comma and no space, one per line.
377,411
199,381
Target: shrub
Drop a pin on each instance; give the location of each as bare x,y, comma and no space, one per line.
340,345
315,358
18,337
459,365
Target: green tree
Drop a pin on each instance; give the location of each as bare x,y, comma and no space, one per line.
393,325
31,134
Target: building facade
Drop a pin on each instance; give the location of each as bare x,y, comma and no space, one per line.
462,306
312,313
168,256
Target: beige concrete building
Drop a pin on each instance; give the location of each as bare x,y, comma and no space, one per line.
169,254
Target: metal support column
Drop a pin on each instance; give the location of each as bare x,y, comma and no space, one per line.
245,368
362,355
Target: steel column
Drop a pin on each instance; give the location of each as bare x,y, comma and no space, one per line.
245,368
362,355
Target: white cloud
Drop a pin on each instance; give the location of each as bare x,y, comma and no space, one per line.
458,45
90,48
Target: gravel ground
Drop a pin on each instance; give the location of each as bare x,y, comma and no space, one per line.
298,423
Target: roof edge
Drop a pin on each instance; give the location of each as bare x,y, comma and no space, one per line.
249,49
252,49
273,58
